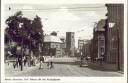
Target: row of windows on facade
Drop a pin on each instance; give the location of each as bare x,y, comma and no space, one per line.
54,46
114,43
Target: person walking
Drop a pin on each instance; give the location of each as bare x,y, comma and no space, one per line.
51,65
41,61
24,60
20,60
15,63
34,61
29,61
81,59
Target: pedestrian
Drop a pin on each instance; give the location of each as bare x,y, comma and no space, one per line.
81,59
48,64
9,54
25,60
29,60
41,61
34,61
15,63
51,65
20,60
101,61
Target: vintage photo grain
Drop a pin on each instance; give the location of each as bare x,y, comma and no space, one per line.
66,40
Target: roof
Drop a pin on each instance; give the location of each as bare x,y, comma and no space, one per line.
51,38
100,25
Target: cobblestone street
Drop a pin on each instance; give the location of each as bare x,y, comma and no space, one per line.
60,69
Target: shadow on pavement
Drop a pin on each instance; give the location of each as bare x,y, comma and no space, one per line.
101,68
68,63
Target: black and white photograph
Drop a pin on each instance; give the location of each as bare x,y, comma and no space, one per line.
54,41
64,40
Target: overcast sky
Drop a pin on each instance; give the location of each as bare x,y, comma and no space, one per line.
78,18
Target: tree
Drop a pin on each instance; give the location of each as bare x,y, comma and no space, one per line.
13,23
25,32
14,29
7,37
37,32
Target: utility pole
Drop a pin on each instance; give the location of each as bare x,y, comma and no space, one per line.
21,28
118,48
22,55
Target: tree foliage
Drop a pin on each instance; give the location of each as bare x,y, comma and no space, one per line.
24,31
37,28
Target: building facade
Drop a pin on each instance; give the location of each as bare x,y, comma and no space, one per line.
114,35
52,46
70,43
86,48
63,46
83,46
81,43
98,41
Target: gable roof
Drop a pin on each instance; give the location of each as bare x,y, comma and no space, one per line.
100,25
51,38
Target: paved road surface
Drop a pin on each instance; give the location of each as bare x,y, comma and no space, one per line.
60,69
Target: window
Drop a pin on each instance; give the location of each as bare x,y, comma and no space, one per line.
102,50
52,46
72,36
115,44
102,42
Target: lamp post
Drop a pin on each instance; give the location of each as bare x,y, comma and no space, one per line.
21,26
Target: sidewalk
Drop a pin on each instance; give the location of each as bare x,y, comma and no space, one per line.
104,67
10,71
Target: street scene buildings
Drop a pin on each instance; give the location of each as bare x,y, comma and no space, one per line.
114,35
70,43
55,44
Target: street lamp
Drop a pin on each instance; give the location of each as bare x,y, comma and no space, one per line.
111,25
20,27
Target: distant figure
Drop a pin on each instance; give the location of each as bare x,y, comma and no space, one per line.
6,61
101,61
29,60
25,60
81,59
8,55
41,61
20,60
34,61
51,65
15,63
